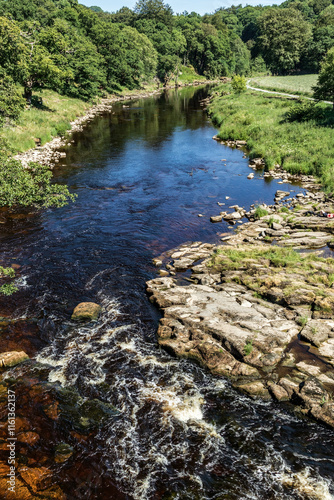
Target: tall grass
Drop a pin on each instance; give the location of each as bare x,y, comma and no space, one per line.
299,147
43,122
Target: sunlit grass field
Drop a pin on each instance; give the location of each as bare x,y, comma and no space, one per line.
43,122
298,84
305,147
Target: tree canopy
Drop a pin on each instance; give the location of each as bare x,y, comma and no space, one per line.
324,88
84,52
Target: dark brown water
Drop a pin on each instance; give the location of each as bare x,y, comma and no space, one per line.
142,175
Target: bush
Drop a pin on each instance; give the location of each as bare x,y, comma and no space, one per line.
31,186
260,212
238,84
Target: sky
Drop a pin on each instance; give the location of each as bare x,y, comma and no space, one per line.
179,6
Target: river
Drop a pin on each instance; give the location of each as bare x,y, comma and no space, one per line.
142,174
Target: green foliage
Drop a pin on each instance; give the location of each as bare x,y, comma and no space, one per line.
11,101
302,321
324,89
248,347
238,84
30,187
8,288
283,35
7,272
305,111
260,212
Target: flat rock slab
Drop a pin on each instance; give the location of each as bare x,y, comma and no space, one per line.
86,311
314,239
12,358
227,317
327,350
314,223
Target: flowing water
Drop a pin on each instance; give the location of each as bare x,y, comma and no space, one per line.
142,174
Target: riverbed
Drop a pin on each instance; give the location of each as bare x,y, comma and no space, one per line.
143,174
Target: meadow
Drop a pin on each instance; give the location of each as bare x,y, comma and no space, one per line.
298,135
297,84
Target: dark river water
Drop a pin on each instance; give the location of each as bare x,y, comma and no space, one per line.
142,174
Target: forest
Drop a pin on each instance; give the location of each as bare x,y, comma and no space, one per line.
85,53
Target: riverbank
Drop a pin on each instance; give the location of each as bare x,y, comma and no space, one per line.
256,310
48,153
289,134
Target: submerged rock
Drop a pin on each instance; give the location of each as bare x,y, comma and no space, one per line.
86,311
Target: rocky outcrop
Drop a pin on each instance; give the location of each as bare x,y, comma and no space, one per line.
242,314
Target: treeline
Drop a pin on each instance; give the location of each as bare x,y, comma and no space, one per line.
83,52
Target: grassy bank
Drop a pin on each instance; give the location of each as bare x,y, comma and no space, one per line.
305,147
298,84
43,121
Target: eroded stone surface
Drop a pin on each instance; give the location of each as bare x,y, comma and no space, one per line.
238,319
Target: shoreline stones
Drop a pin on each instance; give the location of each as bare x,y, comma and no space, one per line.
86,311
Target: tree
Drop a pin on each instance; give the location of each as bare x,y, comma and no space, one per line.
38,70
154,9
283,35
324,89
11,101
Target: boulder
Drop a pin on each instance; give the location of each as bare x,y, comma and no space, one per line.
38,478
86,311
233,216
217,218
12,358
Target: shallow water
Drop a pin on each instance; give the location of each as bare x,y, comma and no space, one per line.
143,173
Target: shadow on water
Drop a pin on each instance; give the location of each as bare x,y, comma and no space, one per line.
140,424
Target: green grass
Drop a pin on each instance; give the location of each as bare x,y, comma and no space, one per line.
45,122
187,74
298,84
248,347
277,257
260,212
305,147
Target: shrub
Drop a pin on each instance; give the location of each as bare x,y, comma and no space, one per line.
238,84
30,186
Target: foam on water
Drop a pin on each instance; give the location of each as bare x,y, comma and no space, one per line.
308,486
163,415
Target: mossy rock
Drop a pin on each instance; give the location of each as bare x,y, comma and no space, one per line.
63,452
86,311
12,358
